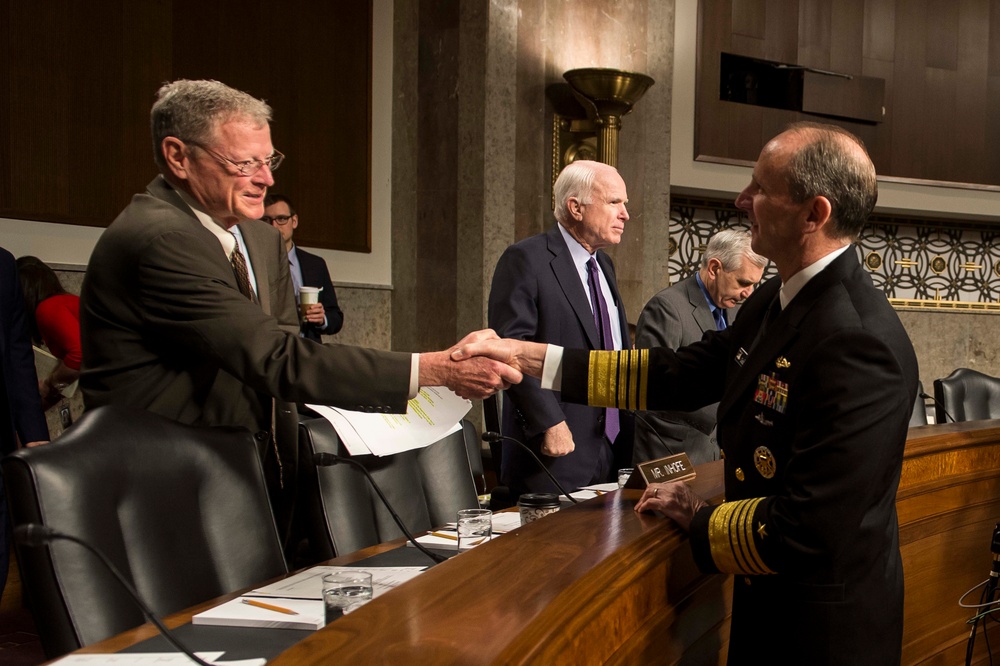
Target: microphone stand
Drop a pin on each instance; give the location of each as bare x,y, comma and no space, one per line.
490,436
987,598
33,535
943,410
329,459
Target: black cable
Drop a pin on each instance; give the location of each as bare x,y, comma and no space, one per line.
328,459
32,534
490,436
951,418
639,416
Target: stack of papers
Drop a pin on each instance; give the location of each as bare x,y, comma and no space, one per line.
446,538
294,614
588,492
301,595
434,413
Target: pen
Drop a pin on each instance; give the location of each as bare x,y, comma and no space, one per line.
261,604
445,536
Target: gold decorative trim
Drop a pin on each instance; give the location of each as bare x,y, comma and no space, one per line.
949,306
618,379
873,261
731,538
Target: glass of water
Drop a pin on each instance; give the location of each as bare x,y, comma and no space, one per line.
474,527
343,589
623,476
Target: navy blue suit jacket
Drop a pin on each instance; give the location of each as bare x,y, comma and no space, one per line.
537,295
315,274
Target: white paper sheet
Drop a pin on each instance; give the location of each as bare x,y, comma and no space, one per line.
446,538
308,584
235,613
432,414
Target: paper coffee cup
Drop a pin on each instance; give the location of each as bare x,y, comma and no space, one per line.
308,296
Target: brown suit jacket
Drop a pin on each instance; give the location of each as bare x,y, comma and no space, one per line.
165,327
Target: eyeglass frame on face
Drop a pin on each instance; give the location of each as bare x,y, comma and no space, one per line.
281,220
272,162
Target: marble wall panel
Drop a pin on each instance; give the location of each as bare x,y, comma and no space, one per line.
367,317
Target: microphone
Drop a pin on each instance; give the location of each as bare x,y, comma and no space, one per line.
34,535
490,436
943,410
329,459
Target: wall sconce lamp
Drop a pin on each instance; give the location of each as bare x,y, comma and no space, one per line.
588,128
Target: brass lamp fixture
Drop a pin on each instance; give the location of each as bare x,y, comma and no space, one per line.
604,95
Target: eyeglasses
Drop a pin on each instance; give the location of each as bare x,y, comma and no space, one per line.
246,167
277,219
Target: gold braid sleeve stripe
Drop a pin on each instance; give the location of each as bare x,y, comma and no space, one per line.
731,538
618,379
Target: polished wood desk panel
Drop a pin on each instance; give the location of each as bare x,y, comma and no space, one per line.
597,583
593,583
948,504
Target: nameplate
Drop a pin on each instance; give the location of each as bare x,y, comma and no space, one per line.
662,470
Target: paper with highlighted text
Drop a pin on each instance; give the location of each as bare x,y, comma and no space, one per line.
434,413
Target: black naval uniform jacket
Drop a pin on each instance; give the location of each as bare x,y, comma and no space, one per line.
812,422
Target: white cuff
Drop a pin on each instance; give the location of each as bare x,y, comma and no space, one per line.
552,368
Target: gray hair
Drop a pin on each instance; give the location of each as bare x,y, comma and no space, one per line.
830,165
575,180
192,110
731,247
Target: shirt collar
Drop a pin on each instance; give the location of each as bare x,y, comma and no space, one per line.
225,238
795,283
577,252
704,292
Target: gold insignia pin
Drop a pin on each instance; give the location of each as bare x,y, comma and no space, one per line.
739,474
761,530
782,362
764,461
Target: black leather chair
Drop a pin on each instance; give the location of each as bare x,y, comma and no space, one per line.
967,395
426,487
919,415
181,511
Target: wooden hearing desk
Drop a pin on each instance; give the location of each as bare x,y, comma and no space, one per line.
598,583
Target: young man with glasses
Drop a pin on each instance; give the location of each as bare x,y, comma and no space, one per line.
325,317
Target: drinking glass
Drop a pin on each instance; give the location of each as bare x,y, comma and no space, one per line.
343,589
474,527
623,476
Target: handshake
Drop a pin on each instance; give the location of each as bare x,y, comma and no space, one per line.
481,364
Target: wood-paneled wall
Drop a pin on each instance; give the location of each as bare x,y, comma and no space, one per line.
940,60
78,80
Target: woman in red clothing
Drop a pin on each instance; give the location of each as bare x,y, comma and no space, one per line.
53,319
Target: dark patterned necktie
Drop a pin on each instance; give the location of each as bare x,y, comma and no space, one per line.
242,274
603,321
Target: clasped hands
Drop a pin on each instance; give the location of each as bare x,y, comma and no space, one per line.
481,364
